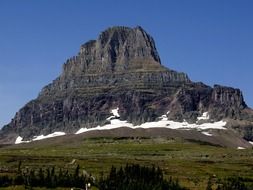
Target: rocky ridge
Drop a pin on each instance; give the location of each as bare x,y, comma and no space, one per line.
122,68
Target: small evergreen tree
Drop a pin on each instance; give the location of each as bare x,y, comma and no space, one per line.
209,184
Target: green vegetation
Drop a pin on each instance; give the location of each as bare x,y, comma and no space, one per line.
135,177
195,165
131,177
49,178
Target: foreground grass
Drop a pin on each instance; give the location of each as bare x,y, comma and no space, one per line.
192,163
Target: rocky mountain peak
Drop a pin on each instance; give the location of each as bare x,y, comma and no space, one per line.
127,44
117,49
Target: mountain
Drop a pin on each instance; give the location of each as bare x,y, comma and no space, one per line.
121,73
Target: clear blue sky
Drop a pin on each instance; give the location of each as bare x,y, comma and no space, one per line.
210,40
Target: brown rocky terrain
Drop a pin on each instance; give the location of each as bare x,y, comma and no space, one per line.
122,68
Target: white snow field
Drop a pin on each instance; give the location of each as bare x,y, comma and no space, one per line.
40,137
55,134
162,123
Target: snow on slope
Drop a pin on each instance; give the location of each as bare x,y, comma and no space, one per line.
40,137
207,133
205,116
20,140
115,112
162,123
55,134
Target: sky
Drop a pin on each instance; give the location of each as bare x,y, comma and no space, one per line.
210,40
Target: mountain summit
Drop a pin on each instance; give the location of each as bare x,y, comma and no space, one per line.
122,71
116,50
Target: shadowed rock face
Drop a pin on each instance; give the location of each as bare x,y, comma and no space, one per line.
121,69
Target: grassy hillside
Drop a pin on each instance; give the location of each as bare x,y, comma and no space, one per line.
193,163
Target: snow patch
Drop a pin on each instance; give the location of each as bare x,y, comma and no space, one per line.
82,130
55,134
240,148
214,125
115,123
163,118
115,112
206,133
109,118
205,116
19,140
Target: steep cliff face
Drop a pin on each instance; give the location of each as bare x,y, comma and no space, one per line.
121,57
122,69
116,50
227,101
